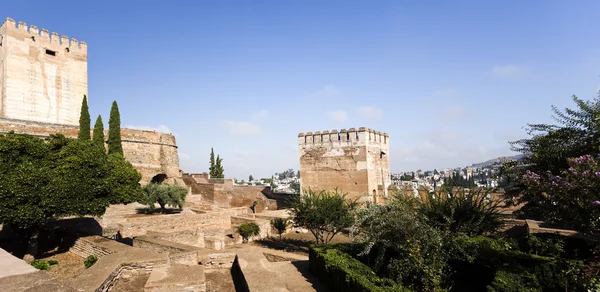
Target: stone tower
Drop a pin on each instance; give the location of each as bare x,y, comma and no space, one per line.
355,162
43,76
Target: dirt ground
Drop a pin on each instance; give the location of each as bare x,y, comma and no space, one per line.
219,280
297,242
69,266
134,283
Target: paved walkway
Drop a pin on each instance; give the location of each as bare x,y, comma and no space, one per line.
11,265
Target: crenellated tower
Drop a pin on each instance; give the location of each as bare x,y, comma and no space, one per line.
354,161
43,76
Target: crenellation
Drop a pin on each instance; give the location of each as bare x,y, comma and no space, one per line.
317,137
22,26
309,138
64,40
55,38
34,30
326,137
44,33
9,22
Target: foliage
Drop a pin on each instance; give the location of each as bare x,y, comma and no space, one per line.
98,137
90,261
52,262
324,213
57,178
216,168
248,230
280,224
576,133
114,131
165,195
219,171
568,198
341,272
465,211
84,121
290,173
543,246
457,180
294,185
250,178
41,265
400,245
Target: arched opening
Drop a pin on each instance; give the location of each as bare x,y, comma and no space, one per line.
159,178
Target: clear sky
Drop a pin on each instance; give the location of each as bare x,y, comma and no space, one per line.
450,81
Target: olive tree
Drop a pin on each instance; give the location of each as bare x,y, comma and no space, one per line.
165,195
324,213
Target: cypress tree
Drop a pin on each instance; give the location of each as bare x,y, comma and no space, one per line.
114,131
219,171
98,138
84,121
211,168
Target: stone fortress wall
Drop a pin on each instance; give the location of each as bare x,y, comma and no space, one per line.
43,79
150,152
44,76
354,161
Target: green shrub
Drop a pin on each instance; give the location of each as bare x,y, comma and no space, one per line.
41,265
248,230
90,261
165,195
465,211
280,224
52,262
400,245
343,273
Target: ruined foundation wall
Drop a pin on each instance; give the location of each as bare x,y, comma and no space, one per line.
149,152
45,75
347,160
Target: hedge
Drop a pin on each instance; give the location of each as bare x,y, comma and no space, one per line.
343,273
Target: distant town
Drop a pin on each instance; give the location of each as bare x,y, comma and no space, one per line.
483,174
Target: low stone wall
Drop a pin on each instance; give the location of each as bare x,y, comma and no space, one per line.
122,270
173,223
193,237
160,245
96,245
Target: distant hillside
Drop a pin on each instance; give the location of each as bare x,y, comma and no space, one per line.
498,160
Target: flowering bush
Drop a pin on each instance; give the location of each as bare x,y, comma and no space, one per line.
571,198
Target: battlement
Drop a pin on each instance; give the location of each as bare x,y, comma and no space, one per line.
343,137
43,35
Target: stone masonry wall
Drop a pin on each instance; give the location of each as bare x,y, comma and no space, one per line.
150,152
220,219
45,75
348,160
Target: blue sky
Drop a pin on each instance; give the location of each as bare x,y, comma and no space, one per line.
450,81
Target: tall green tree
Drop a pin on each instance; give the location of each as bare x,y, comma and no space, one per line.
165,195
219,171
84,121
114,131
99,132
211,168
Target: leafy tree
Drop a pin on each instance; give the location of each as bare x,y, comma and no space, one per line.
250,178
575,133
84,121
248,230
99,132
569,197
114,131
165,195
59,177
295,186
324,213
280,224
